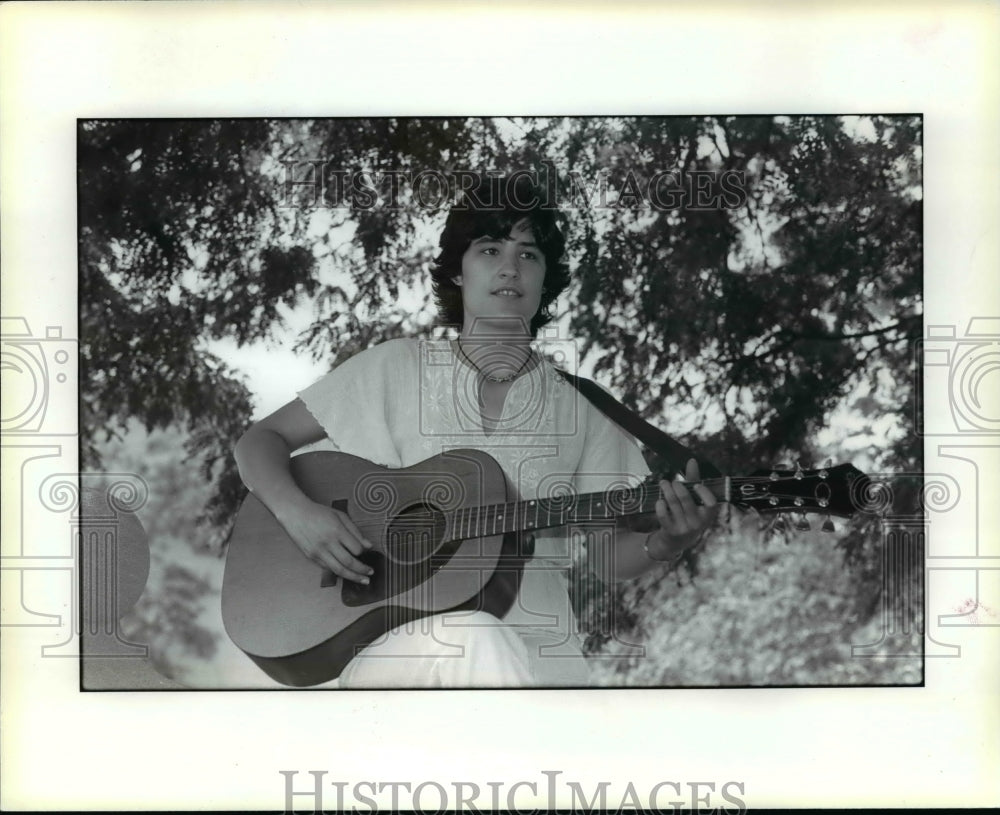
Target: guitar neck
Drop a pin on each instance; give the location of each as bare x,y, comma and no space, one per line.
840,490
546,513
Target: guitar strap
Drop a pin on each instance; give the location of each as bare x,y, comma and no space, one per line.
675,453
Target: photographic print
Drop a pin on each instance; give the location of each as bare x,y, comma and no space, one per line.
488,281
748,284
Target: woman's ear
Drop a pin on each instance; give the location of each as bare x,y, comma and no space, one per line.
457,280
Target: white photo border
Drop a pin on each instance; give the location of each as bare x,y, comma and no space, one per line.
60,62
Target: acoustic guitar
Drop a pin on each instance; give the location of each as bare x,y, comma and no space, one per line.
448,534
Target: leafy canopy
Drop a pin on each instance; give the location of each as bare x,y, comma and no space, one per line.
739,327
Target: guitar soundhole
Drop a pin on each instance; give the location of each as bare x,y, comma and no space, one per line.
414,534
413,553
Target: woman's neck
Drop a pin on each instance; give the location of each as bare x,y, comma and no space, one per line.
498,357
496,331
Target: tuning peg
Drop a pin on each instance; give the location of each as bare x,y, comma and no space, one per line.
828,525
802,524
778,525
798,470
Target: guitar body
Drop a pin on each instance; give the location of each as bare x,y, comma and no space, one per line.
301,625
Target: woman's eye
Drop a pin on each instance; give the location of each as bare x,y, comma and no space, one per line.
489,250
529,255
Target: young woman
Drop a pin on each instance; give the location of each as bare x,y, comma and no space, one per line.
500,268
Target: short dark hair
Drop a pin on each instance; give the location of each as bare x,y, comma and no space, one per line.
492,208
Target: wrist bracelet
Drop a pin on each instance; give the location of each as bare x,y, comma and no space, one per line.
673,561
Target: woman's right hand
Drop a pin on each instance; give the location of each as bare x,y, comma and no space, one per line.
327,537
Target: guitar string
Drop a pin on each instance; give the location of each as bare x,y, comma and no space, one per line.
486,517
642,491
492,512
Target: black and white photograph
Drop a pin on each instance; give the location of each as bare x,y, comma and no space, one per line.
463,407
409,301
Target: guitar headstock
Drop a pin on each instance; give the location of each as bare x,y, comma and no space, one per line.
827,490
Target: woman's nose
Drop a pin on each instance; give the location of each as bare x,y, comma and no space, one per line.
510,264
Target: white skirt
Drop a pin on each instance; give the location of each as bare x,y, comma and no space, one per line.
467,650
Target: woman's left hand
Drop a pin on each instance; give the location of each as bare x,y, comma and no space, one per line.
682,521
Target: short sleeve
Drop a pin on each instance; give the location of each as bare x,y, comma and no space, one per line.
354,403
611,457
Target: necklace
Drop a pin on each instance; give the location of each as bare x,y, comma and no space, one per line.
490,377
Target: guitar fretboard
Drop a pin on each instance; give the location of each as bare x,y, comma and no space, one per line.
546,513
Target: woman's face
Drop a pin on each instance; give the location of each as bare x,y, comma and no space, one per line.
502,282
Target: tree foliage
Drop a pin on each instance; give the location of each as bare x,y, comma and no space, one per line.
741,328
